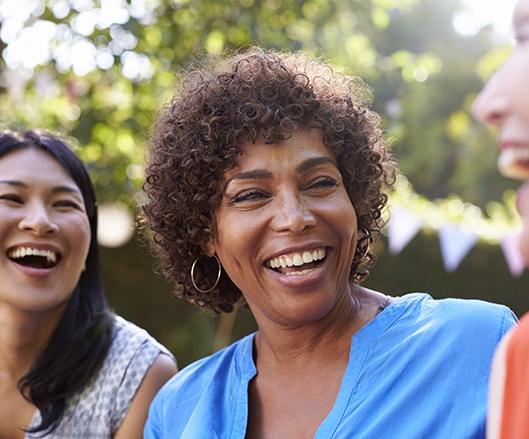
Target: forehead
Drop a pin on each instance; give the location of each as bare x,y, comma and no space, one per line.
302,145
33,164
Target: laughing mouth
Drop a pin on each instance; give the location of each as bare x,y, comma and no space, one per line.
297,263
514,163
33,257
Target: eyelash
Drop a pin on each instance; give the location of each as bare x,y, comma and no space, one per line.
325,182
247,195
12,198
67,204
17,199
256,193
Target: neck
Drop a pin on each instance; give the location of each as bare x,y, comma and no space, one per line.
328,338
22,338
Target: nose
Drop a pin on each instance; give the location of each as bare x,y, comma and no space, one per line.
293,214
492,104
38,221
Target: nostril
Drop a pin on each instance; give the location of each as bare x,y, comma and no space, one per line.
40,226
495,116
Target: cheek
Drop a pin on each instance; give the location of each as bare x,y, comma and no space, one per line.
82,233
349,218
519,81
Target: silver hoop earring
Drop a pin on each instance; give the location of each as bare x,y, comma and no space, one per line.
368,237
216,282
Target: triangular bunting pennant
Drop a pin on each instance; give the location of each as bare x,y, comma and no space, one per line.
402,228
455,245
510,247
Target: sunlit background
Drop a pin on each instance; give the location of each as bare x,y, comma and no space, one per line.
479,13
97,71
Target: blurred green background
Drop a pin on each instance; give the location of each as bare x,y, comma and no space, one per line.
97,71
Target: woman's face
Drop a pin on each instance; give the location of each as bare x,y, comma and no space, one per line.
44,231
286,229
504,103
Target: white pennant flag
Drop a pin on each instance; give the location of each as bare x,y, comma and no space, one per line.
510,246
402,228
455,245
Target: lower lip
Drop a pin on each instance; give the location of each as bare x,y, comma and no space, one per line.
35,272
300,281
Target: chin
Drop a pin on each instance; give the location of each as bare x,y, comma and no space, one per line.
524,244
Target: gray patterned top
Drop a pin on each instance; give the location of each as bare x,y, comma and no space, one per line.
98,410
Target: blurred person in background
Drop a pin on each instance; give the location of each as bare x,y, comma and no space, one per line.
69,367
504,103
266,181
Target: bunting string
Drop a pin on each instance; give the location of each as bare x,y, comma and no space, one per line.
458,224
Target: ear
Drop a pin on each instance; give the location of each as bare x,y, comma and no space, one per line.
209,248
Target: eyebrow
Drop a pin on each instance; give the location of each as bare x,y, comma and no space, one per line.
313,162
55,190
257,174
13,183
262,174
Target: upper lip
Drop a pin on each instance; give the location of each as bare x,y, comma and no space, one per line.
506,143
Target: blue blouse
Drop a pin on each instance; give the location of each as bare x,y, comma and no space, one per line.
418,370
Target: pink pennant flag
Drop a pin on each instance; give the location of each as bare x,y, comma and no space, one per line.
510,245
455,244
402,228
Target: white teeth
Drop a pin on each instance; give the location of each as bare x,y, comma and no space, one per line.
297,259
22,252
512,163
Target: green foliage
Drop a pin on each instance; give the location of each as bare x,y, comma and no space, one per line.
99,71
103,73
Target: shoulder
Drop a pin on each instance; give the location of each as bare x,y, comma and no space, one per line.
456,308
161,370
128,339
477,318
123,329
134,358
208,391
517,349
219,363
230,364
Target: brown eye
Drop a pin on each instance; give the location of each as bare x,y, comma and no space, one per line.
252,194
12,198
68,204
324,182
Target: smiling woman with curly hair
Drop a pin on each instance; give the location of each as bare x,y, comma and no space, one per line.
200,134
266,180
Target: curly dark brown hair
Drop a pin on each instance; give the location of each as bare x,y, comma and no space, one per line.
225,104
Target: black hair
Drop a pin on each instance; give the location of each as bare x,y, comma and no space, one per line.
83,336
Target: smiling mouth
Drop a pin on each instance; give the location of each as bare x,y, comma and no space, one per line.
33,257
514,163
297,263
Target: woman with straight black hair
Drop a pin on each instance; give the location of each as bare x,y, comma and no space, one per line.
69,367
